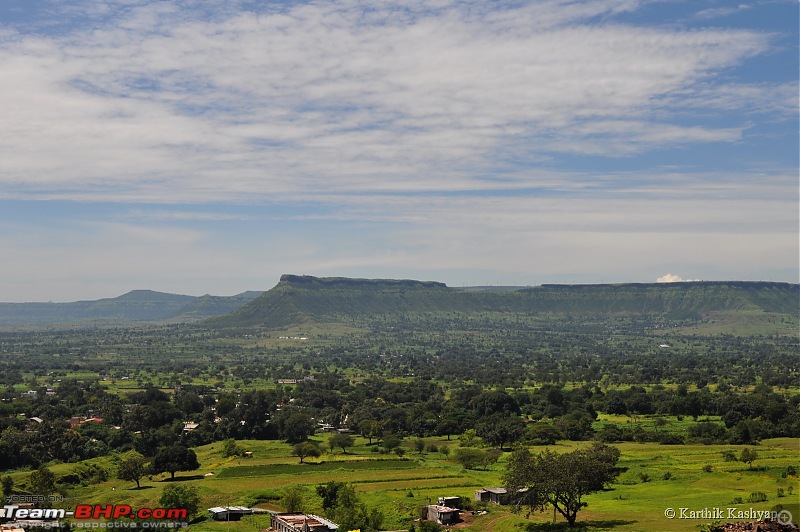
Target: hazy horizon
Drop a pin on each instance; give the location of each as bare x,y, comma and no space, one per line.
463,285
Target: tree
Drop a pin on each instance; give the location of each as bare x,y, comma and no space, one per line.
470,457
575,426
295,426
469,438
748,456
342,504
391,441
341,440
294,499
229,448
369,428
498,429
132,468
8,486
329,493
174,458
561,480
542,433
42,481
186,497
419,445
305,449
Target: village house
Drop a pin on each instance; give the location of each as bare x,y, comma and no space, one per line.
494,495
442,515
232,513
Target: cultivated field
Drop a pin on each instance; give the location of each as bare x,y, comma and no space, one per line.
654,479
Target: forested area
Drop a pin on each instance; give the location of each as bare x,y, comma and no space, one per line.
502,380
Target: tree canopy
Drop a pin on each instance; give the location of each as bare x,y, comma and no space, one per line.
174,458
132,468
185,497
560,480
341,440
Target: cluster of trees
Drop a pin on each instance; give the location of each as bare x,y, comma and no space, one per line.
169,459
342,505
377,408
501,350
420,376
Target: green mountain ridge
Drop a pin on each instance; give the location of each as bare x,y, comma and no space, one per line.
136,306
297,300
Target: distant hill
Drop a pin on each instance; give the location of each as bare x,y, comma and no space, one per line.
299,300
683,300
137,306
207,306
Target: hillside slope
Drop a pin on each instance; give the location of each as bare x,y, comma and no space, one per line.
301,299
133,307
298,300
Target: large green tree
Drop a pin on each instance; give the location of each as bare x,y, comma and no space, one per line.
306,449
295,426
330,493
186,497
132,468
560,480
42,481
294,499
341,440
499,429
174,458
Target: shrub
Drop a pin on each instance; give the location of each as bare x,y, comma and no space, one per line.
644,477
432,448
470,457
667,476
69,478
757,496
671,439
737,500
708,468
729,456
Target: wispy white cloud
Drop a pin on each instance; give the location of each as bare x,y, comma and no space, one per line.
719,12
329,96
413,138
182,216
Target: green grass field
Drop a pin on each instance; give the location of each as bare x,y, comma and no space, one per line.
655,478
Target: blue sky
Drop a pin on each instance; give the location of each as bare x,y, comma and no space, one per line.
208,147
